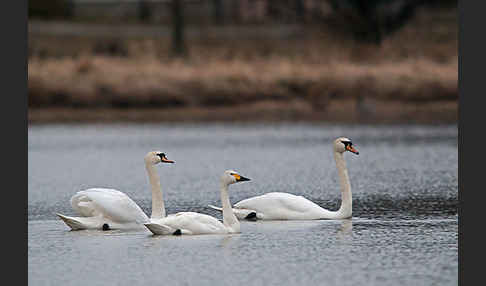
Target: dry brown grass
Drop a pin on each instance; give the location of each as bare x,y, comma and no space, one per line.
102,81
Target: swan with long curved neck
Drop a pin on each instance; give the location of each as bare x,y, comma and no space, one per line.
284,206
102,208
192,223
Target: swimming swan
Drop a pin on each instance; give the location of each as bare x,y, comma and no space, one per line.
197,223
284,206
102,208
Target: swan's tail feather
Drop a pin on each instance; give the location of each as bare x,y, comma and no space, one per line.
160,229
239,213
215,208
71,222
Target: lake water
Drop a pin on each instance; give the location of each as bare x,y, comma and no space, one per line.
405,200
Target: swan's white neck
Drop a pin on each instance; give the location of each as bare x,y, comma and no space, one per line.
229,218
346,209
158,208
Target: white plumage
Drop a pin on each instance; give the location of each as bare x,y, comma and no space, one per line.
196,223
284,206
103,208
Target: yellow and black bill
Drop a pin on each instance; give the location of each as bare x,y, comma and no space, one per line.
240,178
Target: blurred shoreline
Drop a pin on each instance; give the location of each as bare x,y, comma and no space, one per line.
341,112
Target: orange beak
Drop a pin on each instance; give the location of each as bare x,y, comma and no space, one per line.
165,160
351,149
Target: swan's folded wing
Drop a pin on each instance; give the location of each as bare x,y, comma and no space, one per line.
278,204
194,222
109,203
298,204
159,229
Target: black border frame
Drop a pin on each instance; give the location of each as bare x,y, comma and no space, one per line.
14,126
471,49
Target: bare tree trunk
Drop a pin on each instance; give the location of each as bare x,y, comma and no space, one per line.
144,13
299,11
178,44
217,12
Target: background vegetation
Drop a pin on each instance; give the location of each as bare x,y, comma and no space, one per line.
357,61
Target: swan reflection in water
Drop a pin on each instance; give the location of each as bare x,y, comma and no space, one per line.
346,228
342,229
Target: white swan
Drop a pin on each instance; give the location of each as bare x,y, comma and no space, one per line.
284,206
196,223
105,209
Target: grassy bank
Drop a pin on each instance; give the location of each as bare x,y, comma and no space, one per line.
99,82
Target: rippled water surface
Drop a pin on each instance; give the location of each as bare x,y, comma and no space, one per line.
403,230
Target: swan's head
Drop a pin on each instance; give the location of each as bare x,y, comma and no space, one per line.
156,157
343,144
231,177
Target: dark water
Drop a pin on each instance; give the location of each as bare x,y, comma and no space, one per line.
403,230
